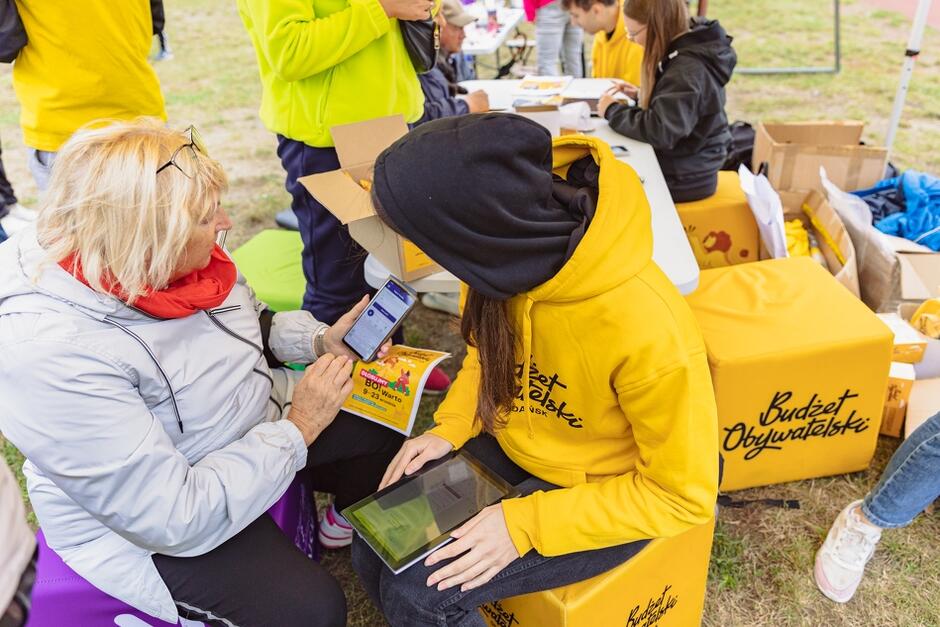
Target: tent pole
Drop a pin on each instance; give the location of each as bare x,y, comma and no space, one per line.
910,55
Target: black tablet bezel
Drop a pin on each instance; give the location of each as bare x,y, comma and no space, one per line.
397,565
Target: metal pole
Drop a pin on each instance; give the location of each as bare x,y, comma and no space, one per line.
910,55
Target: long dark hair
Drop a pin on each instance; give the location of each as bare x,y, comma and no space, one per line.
487,327
665,20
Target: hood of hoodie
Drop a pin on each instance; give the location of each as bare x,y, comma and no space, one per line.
708,42
618,242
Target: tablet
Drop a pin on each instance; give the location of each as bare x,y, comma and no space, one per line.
410,519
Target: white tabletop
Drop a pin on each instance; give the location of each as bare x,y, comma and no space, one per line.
479,41
671,248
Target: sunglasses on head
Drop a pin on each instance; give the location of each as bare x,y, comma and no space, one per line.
194,144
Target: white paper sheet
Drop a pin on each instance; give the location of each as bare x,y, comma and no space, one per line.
768,211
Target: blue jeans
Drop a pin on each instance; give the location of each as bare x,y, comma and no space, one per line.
911,481
405,600
556,36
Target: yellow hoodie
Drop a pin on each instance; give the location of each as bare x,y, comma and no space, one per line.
617,57
84,61
617,405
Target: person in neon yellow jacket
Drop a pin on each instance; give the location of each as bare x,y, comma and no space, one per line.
586,382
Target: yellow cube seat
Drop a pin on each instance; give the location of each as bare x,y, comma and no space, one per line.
721,228
799,366
663,585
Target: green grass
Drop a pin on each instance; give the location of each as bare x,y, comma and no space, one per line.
762,558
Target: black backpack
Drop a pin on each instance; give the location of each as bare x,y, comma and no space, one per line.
742,146
12,33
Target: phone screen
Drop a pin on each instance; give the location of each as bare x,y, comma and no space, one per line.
384,313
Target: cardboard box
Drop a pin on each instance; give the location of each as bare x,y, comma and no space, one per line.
799,367
920,269
357,146
547,115
900,382
795,150
928,367
721,228
909,345
846,273
662,585
923,403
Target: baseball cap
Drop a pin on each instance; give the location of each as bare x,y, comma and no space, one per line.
454,13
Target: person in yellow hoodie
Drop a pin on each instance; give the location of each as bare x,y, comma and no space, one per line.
83,61
613,54
586,382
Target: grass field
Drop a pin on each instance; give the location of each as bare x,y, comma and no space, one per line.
762,560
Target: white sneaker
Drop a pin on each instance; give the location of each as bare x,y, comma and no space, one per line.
841,560
335,532
446,302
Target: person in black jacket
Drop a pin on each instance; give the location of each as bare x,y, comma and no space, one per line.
440,84
680,108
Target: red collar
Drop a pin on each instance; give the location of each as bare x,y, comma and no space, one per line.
202,289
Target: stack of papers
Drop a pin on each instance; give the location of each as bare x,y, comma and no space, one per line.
543,85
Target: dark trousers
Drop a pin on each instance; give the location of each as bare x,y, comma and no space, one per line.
7,197
407,601
332,260
258,577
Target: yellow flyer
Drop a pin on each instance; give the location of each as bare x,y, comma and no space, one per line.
387,390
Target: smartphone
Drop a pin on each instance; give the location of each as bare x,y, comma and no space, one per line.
382,317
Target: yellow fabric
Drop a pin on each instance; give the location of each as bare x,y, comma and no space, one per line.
617,57
823,233
664,584
616,403
926,318
800,368
324,63
721,228
797,238
84,61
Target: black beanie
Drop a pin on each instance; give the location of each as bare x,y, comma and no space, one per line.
475,193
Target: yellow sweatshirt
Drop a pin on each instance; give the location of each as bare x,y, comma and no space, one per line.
84,61
617,57
617,405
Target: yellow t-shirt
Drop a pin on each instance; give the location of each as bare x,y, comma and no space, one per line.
84,61
617,57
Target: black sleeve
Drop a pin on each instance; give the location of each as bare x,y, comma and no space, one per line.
265,320
673,111
158,16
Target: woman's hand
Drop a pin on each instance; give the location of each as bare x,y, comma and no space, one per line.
333,338
319,394
408,9
413,455
486,546
609,97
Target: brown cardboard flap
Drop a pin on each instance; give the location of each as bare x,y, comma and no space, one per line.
360,143
336,191
832,132
924,402
920,276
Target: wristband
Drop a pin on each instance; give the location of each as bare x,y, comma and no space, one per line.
318,348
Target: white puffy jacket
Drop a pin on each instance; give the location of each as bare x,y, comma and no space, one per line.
141,435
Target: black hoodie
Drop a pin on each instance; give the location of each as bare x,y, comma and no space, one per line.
685,121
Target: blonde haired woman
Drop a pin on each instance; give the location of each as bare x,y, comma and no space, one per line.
680,104
141,382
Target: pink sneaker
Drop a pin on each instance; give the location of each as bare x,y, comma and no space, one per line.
841,560
437,382
335,532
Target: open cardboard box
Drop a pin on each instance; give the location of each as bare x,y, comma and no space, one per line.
846,273
357,146
795,150
920,269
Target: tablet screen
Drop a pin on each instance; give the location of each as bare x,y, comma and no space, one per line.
411,518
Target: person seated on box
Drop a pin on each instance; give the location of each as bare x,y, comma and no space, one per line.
910,482
440,86
586,382
680,102
613,54
141,382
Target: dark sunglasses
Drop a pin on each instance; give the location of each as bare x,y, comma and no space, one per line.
194,144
